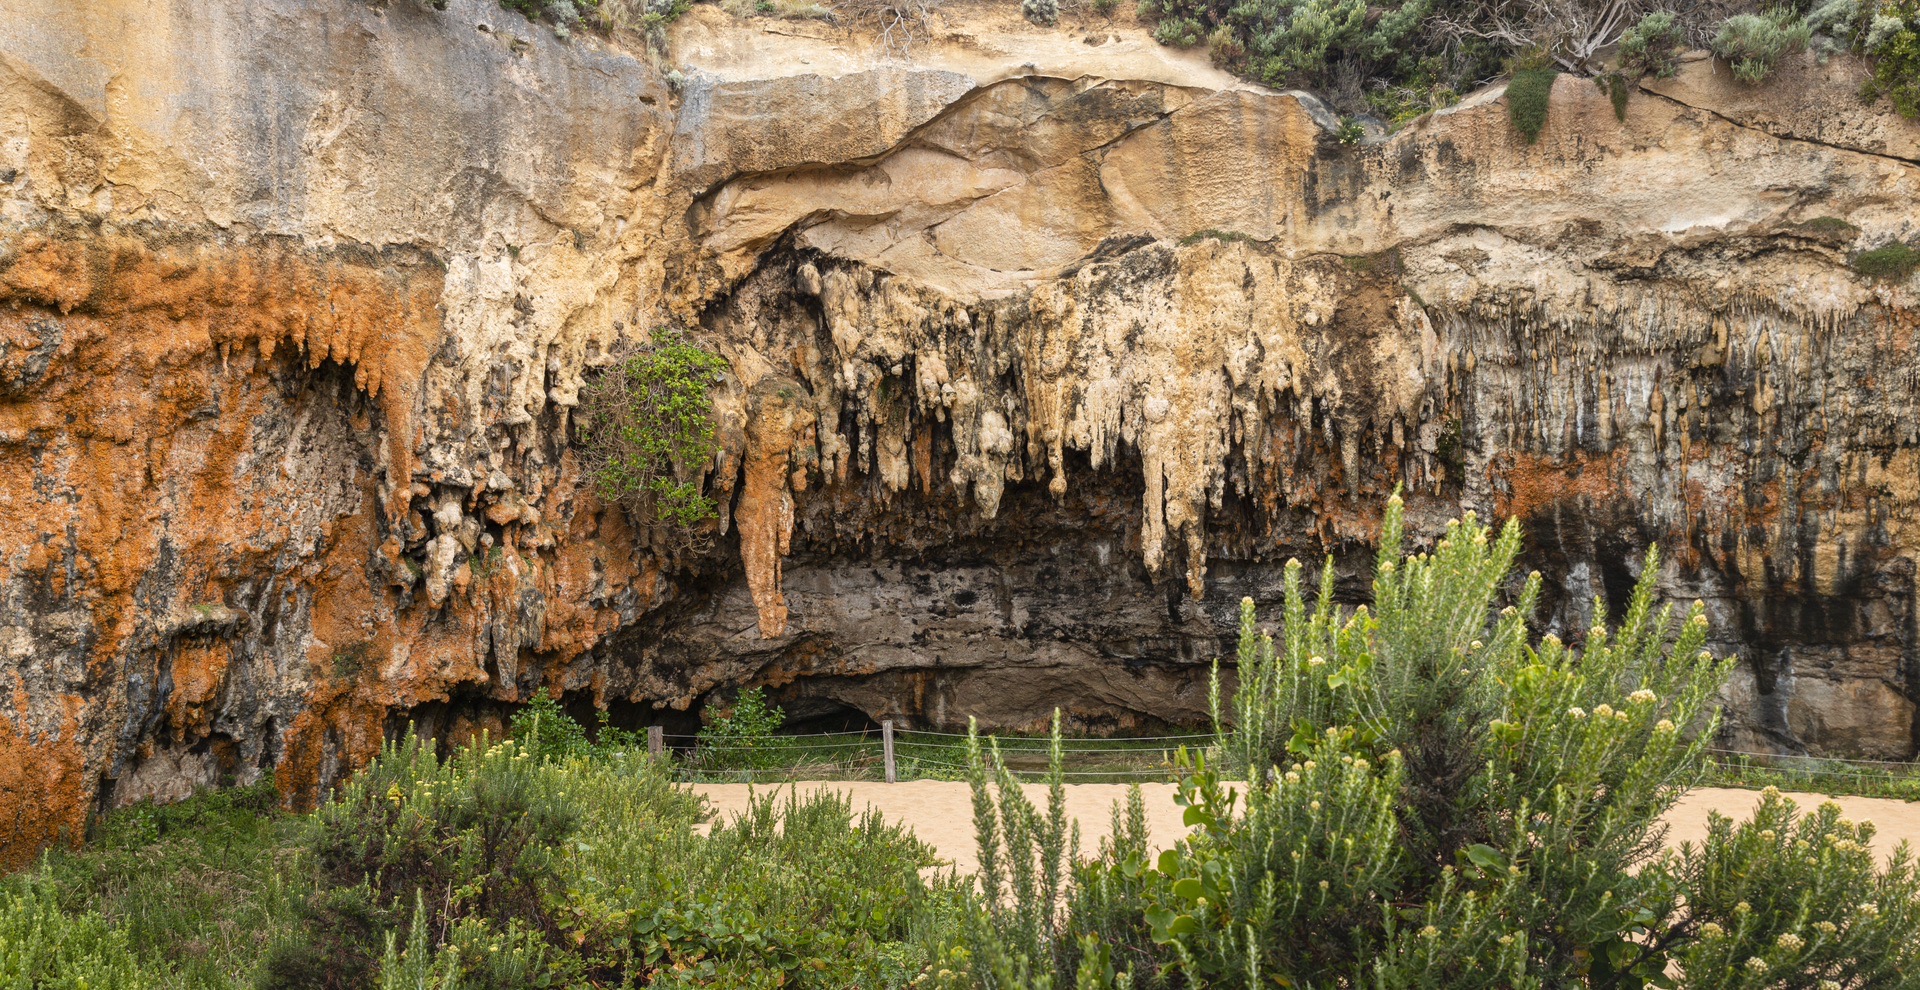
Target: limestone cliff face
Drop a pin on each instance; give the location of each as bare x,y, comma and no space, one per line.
1047,346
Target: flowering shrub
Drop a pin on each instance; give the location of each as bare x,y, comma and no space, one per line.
1792,900
1417,793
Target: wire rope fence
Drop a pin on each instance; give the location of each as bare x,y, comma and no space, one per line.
915,755
922,754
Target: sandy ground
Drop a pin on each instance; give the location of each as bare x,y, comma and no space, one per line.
941,812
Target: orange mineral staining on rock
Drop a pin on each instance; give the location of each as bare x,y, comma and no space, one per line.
777,422
43,792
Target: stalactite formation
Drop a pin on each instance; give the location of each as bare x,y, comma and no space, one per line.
1040,358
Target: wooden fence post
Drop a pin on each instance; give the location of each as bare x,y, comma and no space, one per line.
656,741
886,745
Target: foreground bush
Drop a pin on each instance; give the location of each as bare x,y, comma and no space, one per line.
515,865
1419,794
45,948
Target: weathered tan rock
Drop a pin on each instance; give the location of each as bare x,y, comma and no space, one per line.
1047,346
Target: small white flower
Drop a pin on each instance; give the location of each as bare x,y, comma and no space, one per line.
1869,910
1323,886
1316,662
1475,645
1756,964
1314,805
1310,765
1770,792
1790,942
1429,932
1642,697
1292,777
1742,908
1603,710
1664,725
1362,765
1825,927
1829,985
1711,930
1768,835
1577,712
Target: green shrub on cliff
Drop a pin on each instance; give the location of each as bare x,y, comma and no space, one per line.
647,430
1418,793
1892,263
1652,46
1528,95
1289,42
1753,44
1892,40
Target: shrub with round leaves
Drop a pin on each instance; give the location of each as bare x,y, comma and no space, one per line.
648,432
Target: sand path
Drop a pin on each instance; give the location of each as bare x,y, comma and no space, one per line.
941,812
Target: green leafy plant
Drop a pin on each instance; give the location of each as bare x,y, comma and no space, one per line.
545,730
1528,95
1042,12
1652,46
649,434
743,737
1892,40
1753,44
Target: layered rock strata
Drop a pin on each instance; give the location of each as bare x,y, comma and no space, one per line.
1046,346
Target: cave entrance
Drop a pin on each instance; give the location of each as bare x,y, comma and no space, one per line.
808,715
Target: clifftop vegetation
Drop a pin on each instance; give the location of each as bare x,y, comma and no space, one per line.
1405,57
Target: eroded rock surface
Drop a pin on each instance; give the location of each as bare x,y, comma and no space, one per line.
1047,346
